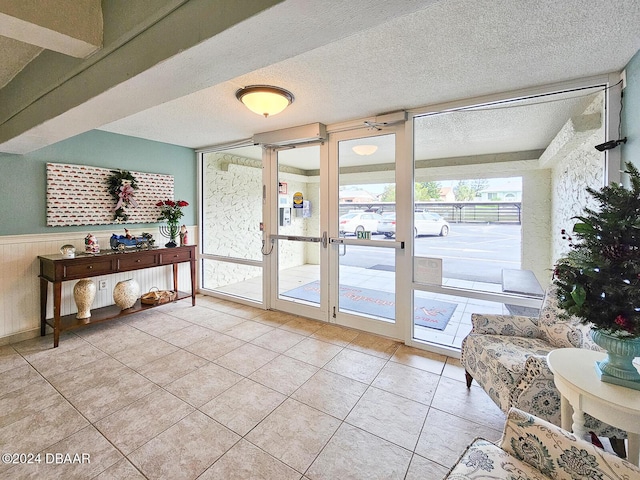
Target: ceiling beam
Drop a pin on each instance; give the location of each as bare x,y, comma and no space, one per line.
71,27
112,83
575,132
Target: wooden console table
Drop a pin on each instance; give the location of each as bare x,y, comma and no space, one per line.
57,269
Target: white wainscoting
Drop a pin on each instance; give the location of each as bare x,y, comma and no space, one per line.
20,285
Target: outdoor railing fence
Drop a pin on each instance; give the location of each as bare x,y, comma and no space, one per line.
453,212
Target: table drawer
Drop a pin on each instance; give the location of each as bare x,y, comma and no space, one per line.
87,269
175,257
126,262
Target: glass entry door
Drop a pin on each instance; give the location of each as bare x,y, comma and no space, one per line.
366,232
298,243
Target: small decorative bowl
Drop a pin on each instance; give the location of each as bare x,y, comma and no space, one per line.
68,251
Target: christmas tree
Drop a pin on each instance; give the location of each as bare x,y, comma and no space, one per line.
598,280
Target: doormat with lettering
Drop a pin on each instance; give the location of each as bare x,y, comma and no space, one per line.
426,312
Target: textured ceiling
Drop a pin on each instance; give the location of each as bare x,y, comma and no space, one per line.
527,125
448,50
368,61
70,27
14,56
508,127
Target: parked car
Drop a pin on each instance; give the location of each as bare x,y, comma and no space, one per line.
359,222
425,223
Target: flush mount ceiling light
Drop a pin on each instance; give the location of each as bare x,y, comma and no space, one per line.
365,149
264,99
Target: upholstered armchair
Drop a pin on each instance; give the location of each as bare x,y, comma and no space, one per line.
532,448
507,356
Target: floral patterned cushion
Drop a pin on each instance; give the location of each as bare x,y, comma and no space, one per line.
559,331
498,362
557,453
483,460
510,325
536,392
533,449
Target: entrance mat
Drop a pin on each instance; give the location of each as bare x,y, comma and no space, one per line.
427,313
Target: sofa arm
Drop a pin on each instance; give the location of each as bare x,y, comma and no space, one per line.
483,460
535,391
511,325
558,453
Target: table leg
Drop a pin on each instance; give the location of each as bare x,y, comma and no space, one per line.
57,297
192,266
565,413
44,289
633,450
175,277
578,424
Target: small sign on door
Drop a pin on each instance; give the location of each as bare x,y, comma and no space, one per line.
428,270
363,235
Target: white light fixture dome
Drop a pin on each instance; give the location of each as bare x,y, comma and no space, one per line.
264,99
365,149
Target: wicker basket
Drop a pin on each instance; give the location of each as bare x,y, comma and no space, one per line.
158,297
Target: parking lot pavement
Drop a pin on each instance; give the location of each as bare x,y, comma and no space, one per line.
471,251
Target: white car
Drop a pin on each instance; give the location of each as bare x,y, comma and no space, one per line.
425,223
359,222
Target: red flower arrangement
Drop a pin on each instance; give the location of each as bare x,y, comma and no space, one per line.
171,210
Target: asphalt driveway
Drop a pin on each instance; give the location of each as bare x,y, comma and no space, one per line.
476,252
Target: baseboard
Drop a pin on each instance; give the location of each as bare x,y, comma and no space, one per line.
20,337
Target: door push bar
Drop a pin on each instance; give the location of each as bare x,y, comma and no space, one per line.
295,238
370,243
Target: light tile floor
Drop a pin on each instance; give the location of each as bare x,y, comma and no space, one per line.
224,391
457,328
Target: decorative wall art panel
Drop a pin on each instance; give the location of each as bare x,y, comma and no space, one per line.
79,195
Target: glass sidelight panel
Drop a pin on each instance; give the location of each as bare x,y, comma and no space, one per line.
470,238
236,279
231,217
232,203
490,180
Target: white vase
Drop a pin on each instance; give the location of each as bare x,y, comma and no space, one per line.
126,293
84,292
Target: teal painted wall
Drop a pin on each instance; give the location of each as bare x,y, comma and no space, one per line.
631,113
23,178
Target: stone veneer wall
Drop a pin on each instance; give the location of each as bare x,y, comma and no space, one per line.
581,167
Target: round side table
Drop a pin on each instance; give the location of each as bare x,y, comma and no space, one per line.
575,376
